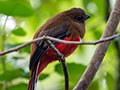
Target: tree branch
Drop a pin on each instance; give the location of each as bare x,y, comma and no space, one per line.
62,60
59,41
101,49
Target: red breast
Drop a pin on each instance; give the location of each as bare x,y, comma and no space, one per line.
49,56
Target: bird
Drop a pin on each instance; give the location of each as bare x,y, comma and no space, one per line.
68,25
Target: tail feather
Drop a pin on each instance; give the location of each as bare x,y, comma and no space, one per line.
33,79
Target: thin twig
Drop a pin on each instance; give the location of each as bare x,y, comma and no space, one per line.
59,41
62,60
21,46
82,43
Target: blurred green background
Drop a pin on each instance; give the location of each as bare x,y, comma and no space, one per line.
20,19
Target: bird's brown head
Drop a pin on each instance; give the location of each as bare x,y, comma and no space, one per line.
77,17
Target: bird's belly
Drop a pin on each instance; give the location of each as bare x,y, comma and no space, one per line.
66,50
49,56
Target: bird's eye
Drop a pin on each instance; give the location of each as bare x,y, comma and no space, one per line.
79,18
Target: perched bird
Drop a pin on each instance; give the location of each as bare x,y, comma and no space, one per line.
68,25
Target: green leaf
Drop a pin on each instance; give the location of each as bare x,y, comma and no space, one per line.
99,4
18,87
117,38
9,46
72,68
75,71
43,76
94,85
15,57
26,75
25,49
110,82
1,86
19,32
14,8
11,74
97,34
58,69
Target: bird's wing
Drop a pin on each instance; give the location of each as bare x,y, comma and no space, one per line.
60,31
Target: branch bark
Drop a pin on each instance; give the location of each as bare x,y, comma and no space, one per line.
59,41
101,49
63,62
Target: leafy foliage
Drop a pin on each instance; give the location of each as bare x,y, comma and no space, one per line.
43,76
15,87
9,75
19,32
29,15
12,8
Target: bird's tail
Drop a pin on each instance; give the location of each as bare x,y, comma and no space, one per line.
33,79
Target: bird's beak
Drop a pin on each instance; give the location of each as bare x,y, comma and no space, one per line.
87,16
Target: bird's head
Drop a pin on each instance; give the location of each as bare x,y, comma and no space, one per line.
77,17
77,14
